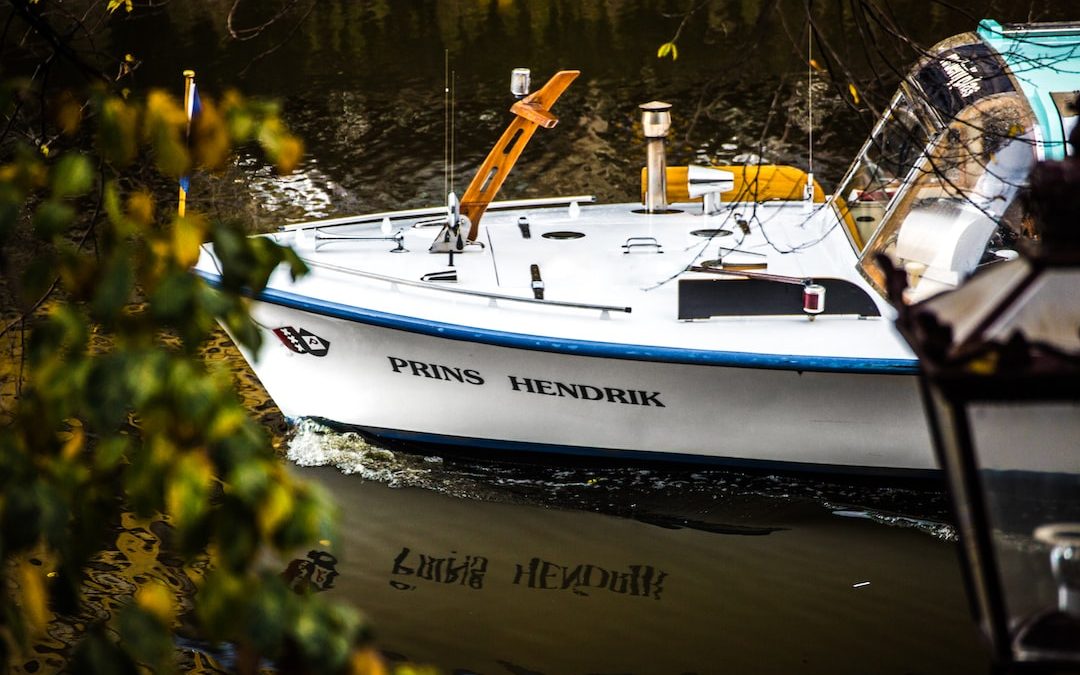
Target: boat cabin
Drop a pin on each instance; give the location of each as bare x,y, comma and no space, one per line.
936,186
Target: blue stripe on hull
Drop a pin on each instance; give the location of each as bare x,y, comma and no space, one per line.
436,440
611,350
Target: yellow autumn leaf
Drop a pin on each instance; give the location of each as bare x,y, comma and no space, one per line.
140,207
68,114
157,599
290,152
187,492
34,596
165,128
276,507
210,137
668,48
188,235
74,444
366,661
118,123
226,423
815,65
854,93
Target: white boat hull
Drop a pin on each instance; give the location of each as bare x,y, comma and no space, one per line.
751,327
411,385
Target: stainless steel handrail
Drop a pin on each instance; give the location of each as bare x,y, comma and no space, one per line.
435,211
1037,29
462,291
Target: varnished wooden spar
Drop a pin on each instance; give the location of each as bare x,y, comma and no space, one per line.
531,112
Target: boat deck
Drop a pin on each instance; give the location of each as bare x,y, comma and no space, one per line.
623,258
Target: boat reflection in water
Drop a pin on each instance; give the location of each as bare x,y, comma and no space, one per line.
471,568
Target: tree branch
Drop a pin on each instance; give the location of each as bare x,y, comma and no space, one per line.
29,13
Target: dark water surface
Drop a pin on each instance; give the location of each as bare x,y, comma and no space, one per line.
488,567
491,567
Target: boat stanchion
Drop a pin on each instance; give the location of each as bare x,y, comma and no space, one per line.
813,299
537,282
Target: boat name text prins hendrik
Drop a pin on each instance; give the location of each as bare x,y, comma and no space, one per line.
528,385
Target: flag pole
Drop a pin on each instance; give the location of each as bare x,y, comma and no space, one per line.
189,82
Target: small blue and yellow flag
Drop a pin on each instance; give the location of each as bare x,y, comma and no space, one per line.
192,106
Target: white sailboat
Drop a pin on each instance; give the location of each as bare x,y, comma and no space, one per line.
736,315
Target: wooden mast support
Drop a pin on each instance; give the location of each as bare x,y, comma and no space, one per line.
531,112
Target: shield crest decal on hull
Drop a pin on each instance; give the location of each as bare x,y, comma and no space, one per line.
302,341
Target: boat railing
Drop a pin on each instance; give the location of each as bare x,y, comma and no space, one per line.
510,204
1039,29
604,310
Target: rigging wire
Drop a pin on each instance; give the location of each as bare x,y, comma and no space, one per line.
446,122
810,100
453,110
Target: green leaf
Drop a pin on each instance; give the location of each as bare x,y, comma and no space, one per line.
122,225
188,489
311,519
114,288
112,397
110,452
270,617
96,653
172,300
236,535
297,267
117,126
248,480
38,276
52,218
20,518
219,596
9,214
72,176
243,330
326,633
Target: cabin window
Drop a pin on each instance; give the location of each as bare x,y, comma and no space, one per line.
885,160
960,209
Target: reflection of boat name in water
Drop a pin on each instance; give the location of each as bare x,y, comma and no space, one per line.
468,571
635,580
639,580
528,385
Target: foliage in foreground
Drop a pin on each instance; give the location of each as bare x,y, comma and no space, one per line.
118,413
